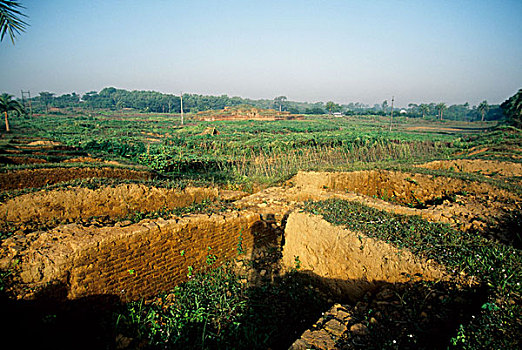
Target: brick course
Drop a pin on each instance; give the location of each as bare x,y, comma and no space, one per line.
137,261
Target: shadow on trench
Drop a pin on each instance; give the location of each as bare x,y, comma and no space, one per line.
50,321
507,229
276,314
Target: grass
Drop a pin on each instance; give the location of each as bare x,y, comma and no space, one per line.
266,151
214,310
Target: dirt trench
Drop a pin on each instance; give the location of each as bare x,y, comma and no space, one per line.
36,178
350,262
408,189
129,262
467,205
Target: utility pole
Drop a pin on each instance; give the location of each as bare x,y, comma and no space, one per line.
391,115
181,99
28,100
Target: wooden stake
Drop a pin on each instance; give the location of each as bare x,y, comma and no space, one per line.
391,115
181,99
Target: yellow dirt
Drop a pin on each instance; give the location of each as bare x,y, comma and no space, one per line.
469,206
486,167
354,261
476,203
77,203
37,178
44,143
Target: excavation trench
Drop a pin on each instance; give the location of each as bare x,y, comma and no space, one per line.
82,266
121,263
408,189
131,262
466,205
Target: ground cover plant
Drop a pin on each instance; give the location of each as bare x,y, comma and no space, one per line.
214,310
242,151
498,266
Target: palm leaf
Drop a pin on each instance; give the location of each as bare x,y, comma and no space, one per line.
10,21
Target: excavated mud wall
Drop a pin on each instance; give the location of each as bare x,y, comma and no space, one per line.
404,188
486,167
349,263
19,179
133,262
115,201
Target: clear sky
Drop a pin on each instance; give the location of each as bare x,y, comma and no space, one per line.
345,51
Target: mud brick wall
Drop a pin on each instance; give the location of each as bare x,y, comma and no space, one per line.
137,261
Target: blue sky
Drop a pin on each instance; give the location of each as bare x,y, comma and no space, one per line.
345,51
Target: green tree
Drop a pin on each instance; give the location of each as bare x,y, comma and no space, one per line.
441,107
414,108
46,98
10,19
424,108
332,107
513,109
280,100
483,108
384,106
7,104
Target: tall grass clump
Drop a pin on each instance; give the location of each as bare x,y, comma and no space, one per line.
283,164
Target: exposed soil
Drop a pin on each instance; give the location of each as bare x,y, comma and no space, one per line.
467,205
44,143
36,178
485,167
21,160
356,263
77,203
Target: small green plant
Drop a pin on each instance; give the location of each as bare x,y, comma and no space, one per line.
211,258
496,265
240,249
460,338
297,263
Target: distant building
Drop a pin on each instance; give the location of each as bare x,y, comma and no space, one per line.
403,111
338,114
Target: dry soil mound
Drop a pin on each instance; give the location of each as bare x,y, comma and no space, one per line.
37,178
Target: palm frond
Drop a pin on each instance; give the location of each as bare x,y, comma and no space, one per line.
10,19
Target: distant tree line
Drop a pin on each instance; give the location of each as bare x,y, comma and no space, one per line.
513,109
152,101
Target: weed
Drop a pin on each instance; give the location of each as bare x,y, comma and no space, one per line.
297,263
